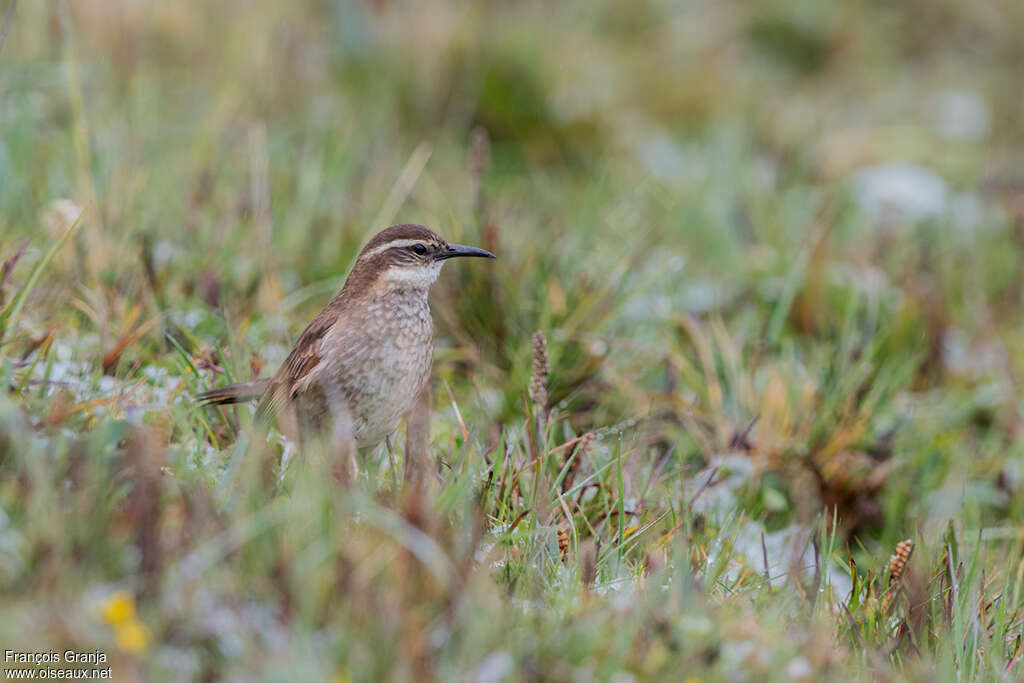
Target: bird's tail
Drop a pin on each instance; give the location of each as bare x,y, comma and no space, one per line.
241,392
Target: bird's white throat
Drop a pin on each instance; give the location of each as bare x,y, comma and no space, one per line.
418,276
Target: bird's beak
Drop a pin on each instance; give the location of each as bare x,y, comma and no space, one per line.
460,250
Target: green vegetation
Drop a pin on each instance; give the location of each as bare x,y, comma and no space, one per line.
775,249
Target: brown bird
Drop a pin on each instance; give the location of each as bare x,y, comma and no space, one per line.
357,369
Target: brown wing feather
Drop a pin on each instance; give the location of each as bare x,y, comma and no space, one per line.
305,356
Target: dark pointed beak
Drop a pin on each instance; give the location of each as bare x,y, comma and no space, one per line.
455,250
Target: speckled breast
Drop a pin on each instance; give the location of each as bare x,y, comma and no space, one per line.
395,366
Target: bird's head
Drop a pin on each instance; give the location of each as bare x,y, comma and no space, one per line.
408,256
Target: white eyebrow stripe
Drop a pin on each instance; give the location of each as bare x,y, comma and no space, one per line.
391,245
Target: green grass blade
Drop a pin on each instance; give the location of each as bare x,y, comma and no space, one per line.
10,315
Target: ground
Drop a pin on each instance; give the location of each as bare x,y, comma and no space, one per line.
770,428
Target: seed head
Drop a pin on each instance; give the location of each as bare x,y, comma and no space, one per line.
539,380
898,561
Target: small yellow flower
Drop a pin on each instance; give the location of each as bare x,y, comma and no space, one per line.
119,608
629,531
342,677
131,637
692,679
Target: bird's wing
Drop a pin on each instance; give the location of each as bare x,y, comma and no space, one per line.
303,359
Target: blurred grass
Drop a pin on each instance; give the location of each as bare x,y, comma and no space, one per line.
768,367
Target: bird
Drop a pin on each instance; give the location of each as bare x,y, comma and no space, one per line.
357,368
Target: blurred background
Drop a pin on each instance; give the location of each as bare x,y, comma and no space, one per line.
776,244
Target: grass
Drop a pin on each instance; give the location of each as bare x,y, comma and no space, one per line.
755,383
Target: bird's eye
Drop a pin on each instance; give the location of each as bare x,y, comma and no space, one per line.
419,249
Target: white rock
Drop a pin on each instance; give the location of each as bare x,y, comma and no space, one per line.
901,190
798,668
959,115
